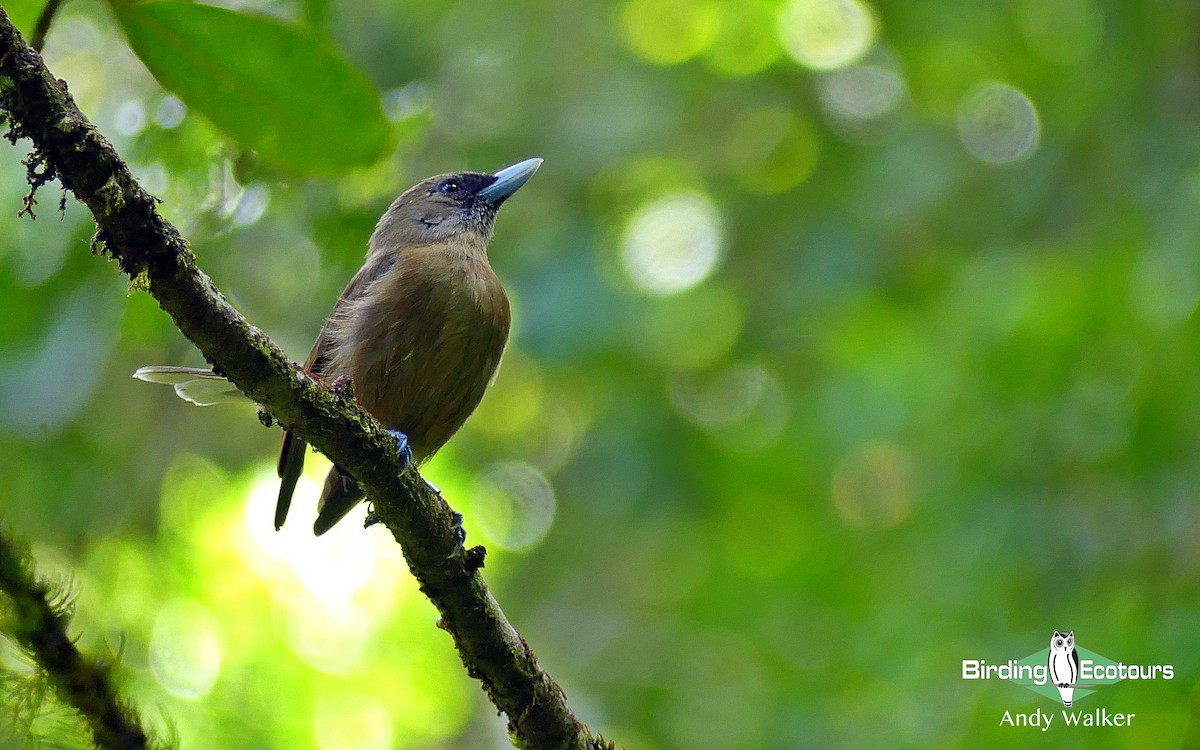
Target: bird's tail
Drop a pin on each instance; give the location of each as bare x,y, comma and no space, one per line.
291,465
194,385
341,493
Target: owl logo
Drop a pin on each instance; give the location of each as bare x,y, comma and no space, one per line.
1064,665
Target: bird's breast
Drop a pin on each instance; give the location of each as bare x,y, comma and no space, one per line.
427,342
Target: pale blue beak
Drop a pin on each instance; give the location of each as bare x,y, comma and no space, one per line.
509,180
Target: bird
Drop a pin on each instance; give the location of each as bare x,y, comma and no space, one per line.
419,331
1063,664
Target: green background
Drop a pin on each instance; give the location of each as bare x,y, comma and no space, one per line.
851,341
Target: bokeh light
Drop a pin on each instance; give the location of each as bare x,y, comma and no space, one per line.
771,149
826,34
746,41
861,93
169,112
743,407
998,123
351,721
185,650
873,486
669,31
672,243
514,504
130,118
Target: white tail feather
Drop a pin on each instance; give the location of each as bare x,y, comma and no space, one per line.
173,375
194,385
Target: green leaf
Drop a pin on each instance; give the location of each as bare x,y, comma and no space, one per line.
271,87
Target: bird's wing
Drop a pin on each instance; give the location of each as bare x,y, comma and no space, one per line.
358,286
291,453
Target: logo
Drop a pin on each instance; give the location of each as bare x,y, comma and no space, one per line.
1066,674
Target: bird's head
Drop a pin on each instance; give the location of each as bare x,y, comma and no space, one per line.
461,205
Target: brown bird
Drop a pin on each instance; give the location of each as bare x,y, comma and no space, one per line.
419,330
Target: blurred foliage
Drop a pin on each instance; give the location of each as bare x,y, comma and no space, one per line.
853,339
295,102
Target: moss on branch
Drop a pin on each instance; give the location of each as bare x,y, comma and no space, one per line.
39,626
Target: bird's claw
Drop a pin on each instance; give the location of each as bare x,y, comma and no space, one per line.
460,534
402,446
343,386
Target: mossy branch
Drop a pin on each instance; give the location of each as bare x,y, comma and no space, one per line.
38,624
150,250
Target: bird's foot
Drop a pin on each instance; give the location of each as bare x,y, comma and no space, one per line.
402,446
343,386
460,534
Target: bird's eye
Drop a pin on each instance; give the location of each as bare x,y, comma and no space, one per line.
447,186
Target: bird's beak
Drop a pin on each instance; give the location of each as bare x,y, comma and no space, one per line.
509,180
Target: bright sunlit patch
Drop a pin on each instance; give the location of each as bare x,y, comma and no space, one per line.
185,650
351,721
826,34
672,244
332,568
873,487
330,639
998,123
669,31
514,504
861,92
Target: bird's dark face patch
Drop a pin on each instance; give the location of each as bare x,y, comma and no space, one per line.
462,186
460,193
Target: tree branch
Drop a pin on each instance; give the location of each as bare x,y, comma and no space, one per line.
152,253
40,628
